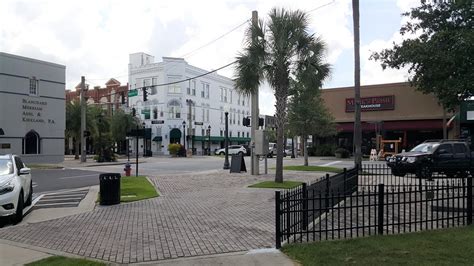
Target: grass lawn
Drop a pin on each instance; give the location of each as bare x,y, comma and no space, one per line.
63,261
313,168
273,184
440,247
136,188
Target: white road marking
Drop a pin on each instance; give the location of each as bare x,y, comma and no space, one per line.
77,176
35,184
331,163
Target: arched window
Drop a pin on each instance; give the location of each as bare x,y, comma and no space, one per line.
31,143
174,109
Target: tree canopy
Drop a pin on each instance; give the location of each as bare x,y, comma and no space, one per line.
439,50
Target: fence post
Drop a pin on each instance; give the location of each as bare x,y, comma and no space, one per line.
345,180
277,220
326,200
305,207
380,209
469,200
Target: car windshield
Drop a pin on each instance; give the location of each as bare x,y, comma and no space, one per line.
425,147
6,167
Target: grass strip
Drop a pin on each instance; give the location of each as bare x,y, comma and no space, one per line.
63,261
313,168
272,184
437,247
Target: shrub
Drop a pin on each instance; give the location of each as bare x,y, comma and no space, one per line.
342,153
173,148
322,150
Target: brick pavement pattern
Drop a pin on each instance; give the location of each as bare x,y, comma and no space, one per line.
200,214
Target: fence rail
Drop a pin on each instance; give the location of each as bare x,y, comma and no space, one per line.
346,206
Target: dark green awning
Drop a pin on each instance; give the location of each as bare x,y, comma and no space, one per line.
158,138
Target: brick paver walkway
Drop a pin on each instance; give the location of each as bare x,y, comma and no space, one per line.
197,214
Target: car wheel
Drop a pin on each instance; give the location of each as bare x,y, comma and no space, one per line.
424,171
221,153
30,195
19,209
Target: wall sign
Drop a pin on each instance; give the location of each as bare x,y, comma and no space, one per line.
33,111
377,103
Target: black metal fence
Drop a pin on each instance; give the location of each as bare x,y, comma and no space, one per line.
337,207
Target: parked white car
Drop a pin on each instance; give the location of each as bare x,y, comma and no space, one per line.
16,186
233,149
272,150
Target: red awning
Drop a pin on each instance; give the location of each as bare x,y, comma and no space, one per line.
436,124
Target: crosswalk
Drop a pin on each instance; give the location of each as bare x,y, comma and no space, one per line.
63,199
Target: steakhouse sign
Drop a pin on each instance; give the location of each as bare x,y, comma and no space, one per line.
378,103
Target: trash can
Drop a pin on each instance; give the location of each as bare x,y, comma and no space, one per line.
109,188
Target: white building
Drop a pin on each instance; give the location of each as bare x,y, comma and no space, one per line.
32,109
200,102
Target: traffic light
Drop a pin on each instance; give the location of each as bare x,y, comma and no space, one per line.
87,133
122,94
134,112
246,122
145,94
260,122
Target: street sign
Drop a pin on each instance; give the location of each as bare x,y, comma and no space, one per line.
154,122
132,93
198,123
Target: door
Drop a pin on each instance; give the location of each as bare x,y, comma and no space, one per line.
443,158
461,158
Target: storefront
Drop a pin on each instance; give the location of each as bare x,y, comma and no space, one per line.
392,111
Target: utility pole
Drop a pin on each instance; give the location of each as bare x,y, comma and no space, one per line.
83,119
254,114
357,122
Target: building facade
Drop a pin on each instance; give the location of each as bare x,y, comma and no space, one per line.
393,111
111,97
183,104
32,109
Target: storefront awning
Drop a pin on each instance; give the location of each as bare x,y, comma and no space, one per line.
158,138
435,124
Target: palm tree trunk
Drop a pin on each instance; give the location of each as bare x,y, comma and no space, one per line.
280,116
305,149
357,122
76,150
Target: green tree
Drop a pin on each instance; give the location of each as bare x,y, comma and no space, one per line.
120,124
73,124
439,50
307,115
272,53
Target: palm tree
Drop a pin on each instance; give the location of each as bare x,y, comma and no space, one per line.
274,53
73,124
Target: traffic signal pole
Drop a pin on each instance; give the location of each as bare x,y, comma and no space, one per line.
83,119
254,120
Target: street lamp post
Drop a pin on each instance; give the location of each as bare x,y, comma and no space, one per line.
209,140
226,141
184,137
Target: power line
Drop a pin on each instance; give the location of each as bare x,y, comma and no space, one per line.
327,4
218,38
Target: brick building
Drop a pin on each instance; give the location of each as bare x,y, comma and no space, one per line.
109,97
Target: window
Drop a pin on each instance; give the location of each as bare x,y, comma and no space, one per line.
34,84
188,89
203,90
193,92
174,109
207,114
203,114
225,95
243,101
155,113
247,134
238,118
222,117
230,100
207,91
174,88
222,94
459,148
221,133
154,81
194,114
161,112
238,134
447,147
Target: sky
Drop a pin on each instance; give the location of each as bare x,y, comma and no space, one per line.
94,38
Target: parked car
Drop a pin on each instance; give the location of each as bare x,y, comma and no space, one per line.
233,149
272,150
450,157
16,186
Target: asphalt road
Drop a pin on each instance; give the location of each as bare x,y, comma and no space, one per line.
57,179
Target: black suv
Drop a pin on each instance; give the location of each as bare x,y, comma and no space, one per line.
450,157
